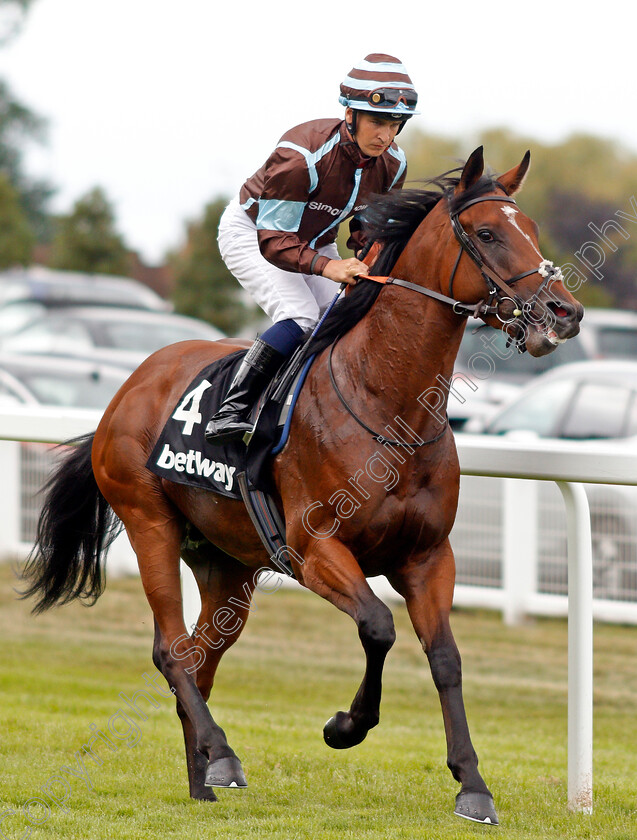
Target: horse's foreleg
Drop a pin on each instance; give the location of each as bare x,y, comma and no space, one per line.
331,571
427,586
220,578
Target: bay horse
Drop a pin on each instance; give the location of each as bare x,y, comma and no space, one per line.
356,502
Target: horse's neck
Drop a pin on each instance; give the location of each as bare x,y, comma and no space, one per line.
403,350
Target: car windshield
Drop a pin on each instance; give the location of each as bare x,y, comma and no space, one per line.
51,287
485,349
49,335
68,333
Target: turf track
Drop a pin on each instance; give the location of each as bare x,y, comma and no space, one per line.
299,661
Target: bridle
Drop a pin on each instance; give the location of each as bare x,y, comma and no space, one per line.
499,292
496,285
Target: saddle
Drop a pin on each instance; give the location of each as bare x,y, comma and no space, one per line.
239,469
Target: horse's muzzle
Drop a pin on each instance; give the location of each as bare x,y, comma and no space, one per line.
551,324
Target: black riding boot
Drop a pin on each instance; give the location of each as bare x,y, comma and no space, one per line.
230,422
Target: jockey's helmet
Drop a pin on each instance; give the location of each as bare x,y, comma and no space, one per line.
380,83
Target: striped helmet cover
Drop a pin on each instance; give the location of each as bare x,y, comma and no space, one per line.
377,71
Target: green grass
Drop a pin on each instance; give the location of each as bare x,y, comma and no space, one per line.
299,661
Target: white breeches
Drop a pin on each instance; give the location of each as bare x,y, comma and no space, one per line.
281,294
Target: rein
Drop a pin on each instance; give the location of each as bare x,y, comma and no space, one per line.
376,435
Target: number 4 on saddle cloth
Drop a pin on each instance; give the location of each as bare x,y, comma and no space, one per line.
182,455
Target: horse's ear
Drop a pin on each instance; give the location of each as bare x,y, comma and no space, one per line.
473,169
513,179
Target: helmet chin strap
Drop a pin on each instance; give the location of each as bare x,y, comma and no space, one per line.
351,127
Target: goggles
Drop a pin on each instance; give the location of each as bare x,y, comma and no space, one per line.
391,97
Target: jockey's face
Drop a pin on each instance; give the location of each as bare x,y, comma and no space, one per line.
374,134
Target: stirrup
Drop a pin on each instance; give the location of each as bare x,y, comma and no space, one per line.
226,434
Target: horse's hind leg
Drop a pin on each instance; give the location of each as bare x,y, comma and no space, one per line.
155,534
427,586
331,571
219,578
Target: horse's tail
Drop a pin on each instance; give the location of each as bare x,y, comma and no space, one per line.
75,529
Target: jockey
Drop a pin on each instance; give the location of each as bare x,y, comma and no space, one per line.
278,235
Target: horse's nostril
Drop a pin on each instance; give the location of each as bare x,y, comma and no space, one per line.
561,312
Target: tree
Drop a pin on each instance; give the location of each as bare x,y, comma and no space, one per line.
19,126
204,288
86,240
11,18
16,238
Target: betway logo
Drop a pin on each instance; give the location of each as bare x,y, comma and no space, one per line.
316,205
194,463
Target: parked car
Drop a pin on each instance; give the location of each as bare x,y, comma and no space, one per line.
582,401
76,383
492,373
110,334
27,293
43,380
609,334
48,286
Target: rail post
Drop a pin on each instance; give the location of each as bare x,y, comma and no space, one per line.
580,648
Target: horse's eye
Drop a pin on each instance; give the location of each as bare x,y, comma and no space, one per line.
485,236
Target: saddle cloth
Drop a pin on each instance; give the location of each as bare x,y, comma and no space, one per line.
182,454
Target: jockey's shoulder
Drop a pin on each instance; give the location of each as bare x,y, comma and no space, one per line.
313,134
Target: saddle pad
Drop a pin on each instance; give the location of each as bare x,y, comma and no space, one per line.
181,453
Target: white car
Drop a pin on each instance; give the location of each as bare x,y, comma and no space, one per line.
609,334
49,287
42,380
111,334
27,293
488,374
594,400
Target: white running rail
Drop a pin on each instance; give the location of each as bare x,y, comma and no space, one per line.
568,463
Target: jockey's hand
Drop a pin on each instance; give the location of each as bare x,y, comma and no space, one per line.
345,271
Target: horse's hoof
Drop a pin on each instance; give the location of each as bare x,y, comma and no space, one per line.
339,732
477,807
203,795
226,773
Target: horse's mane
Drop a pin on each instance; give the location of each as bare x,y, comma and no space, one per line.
391,219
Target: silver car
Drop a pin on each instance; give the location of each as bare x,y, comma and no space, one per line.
581,401
73,383
105,333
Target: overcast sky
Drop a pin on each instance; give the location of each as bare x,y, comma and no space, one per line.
168,103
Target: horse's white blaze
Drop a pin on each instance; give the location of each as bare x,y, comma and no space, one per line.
511,213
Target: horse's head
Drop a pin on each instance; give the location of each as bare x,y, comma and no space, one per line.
495,260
